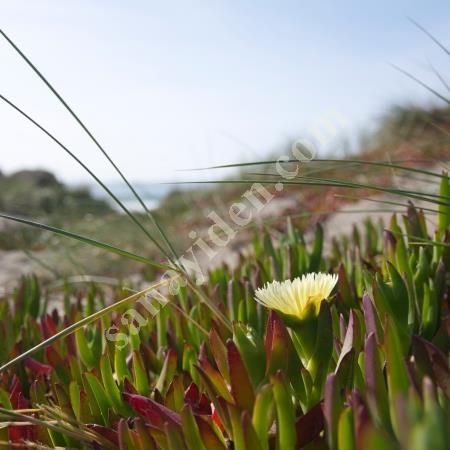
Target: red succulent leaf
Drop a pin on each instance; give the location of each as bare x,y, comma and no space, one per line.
276,344
22,402
432,361
70,340
204,406
216,419
20,434
370,316
48,326
310,425
38,367
202,354
361,416
128,387
199,402
331,408
53,357
155,413
17,435
192,394
219,352
214,378
55,316
241,386
15,391
158,397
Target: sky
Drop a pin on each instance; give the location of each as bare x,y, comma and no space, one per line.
170,85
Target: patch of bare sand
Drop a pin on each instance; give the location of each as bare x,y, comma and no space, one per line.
381,208
13,265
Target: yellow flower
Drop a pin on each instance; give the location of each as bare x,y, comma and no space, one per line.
299,298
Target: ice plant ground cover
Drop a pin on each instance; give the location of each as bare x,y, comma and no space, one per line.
366,369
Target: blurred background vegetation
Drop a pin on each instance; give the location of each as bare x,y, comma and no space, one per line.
408,133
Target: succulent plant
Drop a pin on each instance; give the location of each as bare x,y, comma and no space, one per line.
373,372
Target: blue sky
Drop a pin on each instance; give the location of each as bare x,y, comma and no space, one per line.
167,85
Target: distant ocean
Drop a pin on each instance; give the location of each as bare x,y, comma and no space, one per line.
151,194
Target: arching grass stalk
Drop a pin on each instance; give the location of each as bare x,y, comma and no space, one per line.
86,436
87,240
387,202
94,140
86,168
41,263
388,164
421,83
357,167
118,251
401,192
209,303
309,181
440,78
420,240
433,38
308,174
186,316
81,279
349,184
